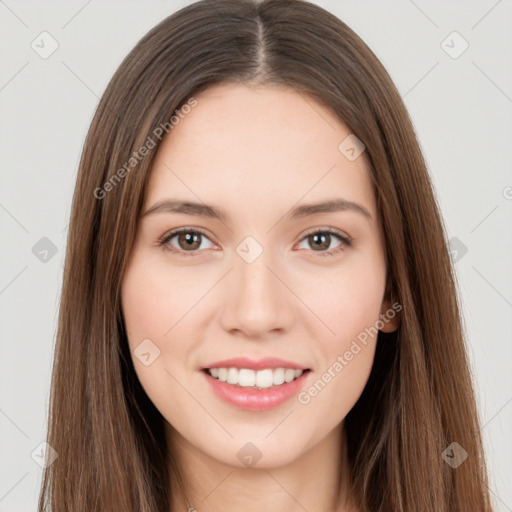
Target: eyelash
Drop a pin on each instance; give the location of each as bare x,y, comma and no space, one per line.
163,241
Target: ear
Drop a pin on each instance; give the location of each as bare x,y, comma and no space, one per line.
390,316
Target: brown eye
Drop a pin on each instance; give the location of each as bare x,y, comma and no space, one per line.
188,241
320,241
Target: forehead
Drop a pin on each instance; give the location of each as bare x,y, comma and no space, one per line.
266,144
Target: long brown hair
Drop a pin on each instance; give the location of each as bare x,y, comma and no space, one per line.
112,453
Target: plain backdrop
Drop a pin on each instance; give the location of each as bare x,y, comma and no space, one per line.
460,101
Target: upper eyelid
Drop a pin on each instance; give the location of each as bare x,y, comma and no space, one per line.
332,231
174,232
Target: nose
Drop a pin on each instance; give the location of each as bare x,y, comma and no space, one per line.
257,300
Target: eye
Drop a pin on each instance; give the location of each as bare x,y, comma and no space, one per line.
188,240
321,239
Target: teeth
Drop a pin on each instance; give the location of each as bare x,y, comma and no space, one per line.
247,378
264,378
278,377
232,376
289,375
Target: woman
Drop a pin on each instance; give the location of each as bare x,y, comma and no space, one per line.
258,307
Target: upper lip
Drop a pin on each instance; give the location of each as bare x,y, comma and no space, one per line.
253,364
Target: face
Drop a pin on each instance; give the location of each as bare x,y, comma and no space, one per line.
250,272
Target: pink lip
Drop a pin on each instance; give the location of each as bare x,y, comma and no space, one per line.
255,399
251,364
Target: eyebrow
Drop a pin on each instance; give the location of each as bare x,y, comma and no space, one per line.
205,210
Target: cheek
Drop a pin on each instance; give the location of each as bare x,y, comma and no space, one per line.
153,303
163,305
154,300
346,360
347,299
348,304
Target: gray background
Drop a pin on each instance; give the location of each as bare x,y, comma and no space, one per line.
462,111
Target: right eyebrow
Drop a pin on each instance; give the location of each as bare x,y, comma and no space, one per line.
188,208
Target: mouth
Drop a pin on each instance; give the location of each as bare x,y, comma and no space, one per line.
255,379
255,390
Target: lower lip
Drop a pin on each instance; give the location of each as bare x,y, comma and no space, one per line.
255,399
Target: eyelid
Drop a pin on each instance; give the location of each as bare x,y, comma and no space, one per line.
333,231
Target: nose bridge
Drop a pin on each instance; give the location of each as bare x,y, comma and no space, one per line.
256,281
257,301
252,261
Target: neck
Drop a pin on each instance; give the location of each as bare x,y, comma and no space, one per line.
310,482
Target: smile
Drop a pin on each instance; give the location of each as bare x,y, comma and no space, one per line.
255,390
247,378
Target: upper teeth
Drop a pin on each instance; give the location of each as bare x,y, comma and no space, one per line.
262,378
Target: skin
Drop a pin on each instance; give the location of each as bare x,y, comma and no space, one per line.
256,152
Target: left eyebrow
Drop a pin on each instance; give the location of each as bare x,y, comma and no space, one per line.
303,210
334,205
